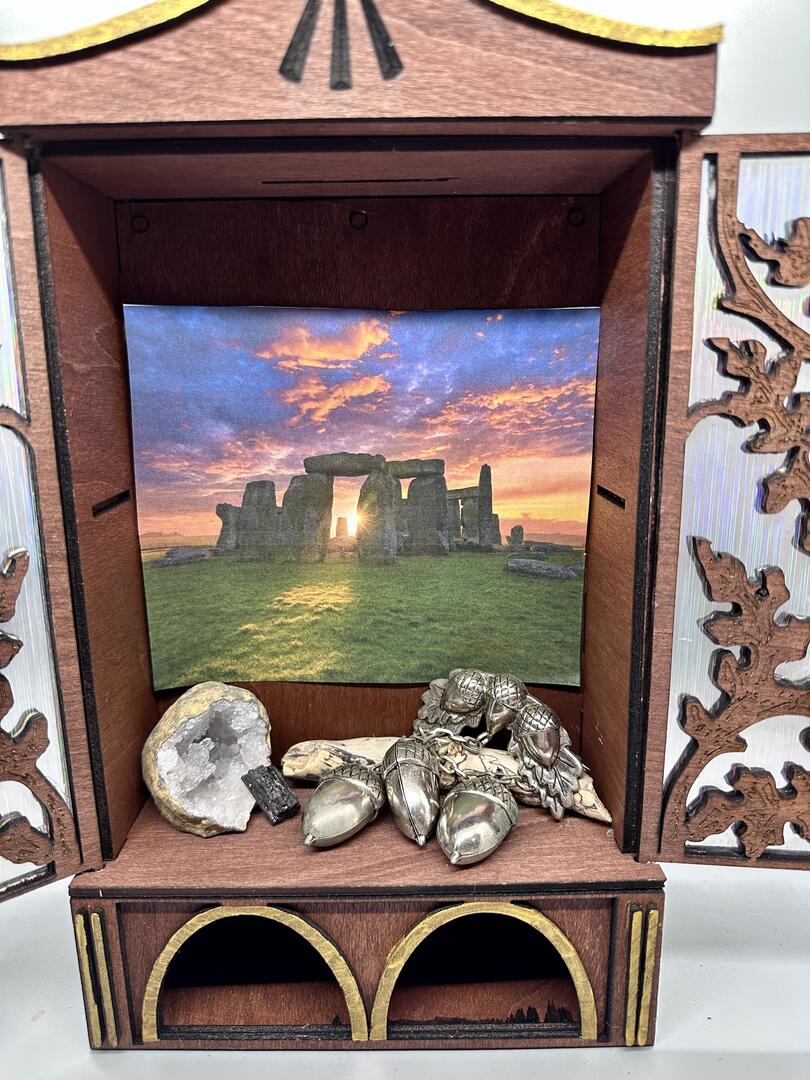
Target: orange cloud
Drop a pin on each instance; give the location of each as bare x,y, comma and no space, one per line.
297,347
316,401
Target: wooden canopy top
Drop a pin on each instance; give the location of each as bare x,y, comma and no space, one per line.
433,60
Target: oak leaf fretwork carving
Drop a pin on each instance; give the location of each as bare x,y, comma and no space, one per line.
751,690
788,259
20,842
767,396
756,808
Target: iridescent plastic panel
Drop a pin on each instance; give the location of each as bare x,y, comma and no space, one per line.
721,483
32,672
12,380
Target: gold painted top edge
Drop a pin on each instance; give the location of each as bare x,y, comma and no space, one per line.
120,26
161,11
583,22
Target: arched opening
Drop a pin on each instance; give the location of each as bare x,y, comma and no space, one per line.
251,973
484,970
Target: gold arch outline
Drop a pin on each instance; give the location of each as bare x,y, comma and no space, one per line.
315,937
119,26
162,11
583,22
401,952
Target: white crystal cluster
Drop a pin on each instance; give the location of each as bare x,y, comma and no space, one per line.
196,757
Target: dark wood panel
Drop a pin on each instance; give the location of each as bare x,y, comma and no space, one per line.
300,711
612,644
413,253
460,60
360,167
540,853
111,611
38,434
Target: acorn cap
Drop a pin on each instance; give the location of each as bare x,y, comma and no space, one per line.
465,691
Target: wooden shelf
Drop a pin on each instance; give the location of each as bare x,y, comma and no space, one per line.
541,855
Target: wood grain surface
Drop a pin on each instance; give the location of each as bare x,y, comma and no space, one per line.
82,849
678,423
110,611
540,854
464,59
444,165
613,642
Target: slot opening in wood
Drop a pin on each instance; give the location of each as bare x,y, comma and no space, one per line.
103,507
611,496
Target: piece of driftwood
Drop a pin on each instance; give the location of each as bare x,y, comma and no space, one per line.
306,762
272,792
767,396
751,691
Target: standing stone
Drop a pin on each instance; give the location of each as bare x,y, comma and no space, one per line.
489,529
469,518
406,470
515,540
428,517
342,527
256,527
344,464
403,522
228,514
489,532
377,507
454,512
307,506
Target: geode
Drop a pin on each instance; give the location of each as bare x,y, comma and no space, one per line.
195,758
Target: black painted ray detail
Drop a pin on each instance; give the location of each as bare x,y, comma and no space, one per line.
295,58
387,55
292,66
341,71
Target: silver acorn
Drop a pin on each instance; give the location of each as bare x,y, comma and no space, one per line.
344,802
477,816
411,776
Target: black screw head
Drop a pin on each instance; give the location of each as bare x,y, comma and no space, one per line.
576,217
139,223
358,219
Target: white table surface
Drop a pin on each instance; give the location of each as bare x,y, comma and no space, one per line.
734,1001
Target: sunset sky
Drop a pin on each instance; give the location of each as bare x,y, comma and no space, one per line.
221,396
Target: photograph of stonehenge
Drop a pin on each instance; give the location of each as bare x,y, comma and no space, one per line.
351,496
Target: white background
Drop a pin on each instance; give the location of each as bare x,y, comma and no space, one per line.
735,987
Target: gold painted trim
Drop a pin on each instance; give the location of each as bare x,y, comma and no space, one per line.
653,918
583,22
104,979
633,973
405,946
131,22
330,953
93,1023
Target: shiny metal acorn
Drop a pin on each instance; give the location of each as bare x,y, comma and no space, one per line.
411,776
477,816
345,801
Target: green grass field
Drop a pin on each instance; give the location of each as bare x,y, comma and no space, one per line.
232,620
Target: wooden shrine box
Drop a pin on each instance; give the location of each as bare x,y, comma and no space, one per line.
508,164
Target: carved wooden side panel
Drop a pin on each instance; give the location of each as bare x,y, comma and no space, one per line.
737,784
38,837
